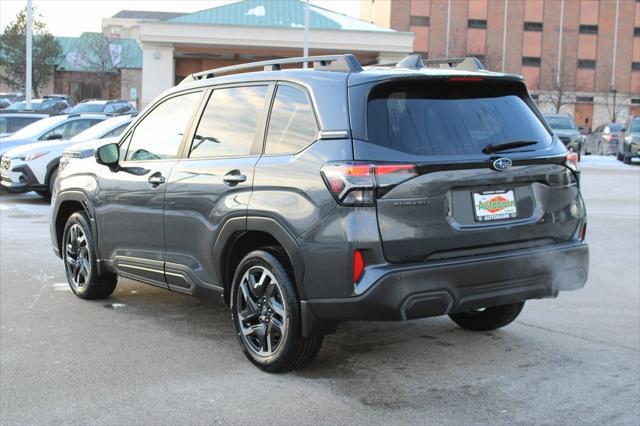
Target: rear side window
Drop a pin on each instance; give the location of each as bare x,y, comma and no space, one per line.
158,135
439,118
228,125
292,125
115,132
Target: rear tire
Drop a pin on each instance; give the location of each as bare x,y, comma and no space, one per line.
625,159
265,310
79,256
619,156
489,318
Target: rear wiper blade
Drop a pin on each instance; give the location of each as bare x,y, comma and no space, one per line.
491,148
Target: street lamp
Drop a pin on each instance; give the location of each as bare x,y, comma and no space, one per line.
614,92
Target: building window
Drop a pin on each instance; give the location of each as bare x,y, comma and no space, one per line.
533,26
584,99
587,64
477,23
635,101
420,21
635,66
530,61
636,31
588,29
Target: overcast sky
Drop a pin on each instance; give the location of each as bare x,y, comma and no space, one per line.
72,17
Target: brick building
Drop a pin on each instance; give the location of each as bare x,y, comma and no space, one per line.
563,48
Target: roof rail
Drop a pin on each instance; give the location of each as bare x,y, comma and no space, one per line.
341,63
415,61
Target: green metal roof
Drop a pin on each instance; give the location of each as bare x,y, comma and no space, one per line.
82,53
275,13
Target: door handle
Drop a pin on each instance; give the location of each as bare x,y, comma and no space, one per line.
234,177
156,179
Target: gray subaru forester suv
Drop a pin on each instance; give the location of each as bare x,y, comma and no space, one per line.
303,198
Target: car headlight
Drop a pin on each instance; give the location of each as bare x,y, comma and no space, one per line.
34,155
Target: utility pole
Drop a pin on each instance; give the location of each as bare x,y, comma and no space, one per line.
446,42
305,51
28,73
613,61
504,35
560,43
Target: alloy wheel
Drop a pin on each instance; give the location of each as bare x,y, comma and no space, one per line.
261,311
78,262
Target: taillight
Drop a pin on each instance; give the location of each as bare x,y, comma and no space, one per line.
360,183
583,232
608,138
572,160
358,266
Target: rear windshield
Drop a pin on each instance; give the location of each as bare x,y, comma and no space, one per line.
439,118
87,108
560,123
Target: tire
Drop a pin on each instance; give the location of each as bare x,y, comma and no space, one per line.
52,180
619,156
489,318
79,257
265,311
625,159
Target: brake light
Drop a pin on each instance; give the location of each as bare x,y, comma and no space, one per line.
583,232
358,266
360,183
572,161
608,138
464,79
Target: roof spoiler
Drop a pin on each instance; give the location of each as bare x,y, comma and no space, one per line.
339,63
415,61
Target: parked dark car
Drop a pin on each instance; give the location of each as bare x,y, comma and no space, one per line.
307,197
120,106
603,140
566,129
49,106
629,145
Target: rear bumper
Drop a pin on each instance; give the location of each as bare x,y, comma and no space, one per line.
440,288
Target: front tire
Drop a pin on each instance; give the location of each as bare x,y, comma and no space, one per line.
265,310
489,318
79,257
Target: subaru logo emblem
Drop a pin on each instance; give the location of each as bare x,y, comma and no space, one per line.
502,164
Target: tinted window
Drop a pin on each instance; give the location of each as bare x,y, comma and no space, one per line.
121,107
228,124
69,129
115,132
88,107
12,124
158,135
292,125
635,126
560,123
450,118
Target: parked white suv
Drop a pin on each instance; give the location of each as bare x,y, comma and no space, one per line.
34,167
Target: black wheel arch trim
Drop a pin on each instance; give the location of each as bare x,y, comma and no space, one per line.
236,225
83,199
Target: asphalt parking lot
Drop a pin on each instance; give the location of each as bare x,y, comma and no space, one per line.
147,356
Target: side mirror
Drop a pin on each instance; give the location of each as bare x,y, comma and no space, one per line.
54,136
108,155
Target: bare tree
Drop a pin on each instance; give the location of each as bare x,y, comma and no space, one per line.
615,103
558,89
101,55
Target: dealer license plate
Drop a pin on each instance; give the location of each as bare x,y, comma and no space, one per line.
494,205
